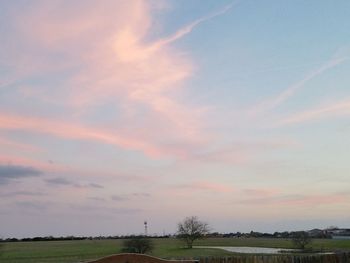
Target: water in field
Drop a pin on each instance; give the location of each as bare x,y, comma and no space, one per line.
251,250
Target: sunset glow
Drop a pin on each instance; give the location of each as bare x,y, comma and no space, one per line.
125,111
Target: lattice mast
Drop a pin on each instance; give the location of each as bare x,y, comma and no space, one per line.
146,230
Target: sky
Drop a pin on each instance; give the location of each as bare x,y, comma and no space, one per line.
116,112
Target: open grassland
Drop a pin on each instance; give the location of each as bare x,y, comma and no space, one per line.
80,251
331,244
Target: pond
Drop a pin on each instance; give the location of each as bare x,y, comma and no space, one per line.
251,250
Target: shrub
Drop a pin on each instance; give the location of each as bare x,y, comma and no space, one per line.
139,245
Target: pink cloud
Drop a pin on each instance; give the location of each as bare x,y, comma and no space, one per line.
73,131
20,146
261,192
45,166
205,186
105,51
245,151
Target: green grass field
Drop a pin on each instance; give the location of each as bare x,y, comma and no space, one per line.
80,251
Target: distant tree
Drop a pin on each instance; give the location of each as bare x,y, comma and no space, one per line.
301,239
138,245
1,248
191,229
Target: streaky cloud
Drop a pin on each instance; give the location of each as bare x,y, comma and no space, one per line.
33,206
59,181
21,146
336,109
119,198
94,185
189,28
204,186
296,200
23,193
273,103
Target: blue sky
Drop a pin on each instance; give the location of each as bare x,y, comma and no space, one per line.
120,112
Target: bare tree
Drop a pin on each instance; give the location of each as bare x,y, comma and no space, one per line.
191,229
301,239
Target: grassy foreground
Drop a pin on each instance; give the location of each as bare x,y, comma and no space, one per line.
80,251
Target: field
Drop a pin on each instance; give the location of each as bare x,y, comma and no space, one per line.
80,251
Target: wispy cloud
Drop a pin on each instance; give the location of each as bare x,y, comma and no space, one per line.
125,197
73,131
261,192
20,146
96,198
299,200
94,185
141,195
107,61
32,206
204,186
61,181
337,109
243,151
45,166
272,103
119,198
189,28
104,209
95,65
129,116
23,193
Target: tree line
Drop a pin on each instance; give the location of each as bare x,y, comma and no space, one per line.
67,238
251,234
189,229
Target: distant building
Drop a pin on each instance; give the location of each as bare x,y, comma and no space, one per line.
316,232
339,233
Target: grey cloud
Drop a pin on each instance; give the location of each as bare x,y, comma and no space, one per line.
22,193
65,182
126,210
141,195
300,199
105,209
10,172
125,197
59,181
32,205
95,185
119,197
89,185
273,199
96,198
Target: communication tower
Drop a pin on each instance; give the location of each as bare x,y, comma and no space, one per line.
145,223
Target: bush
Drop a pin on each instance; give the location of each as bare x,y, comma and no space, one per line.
139,245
